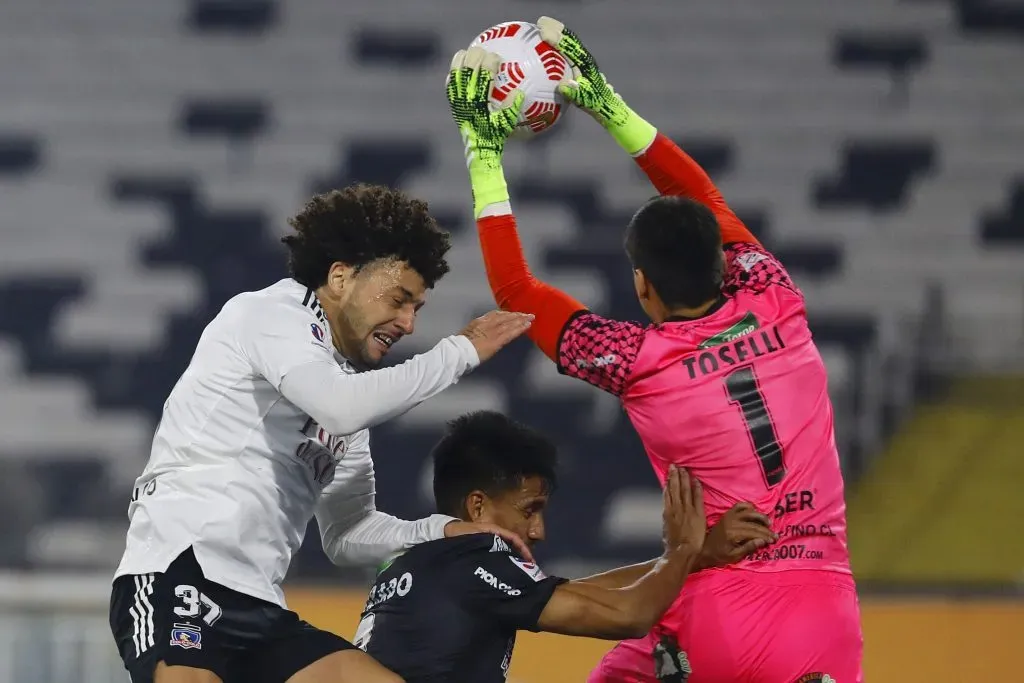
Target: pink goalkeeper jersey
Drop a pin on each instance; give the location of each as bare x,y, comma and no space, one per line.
739,397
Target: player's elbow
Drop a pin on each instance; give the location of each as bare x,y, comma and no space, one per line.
336,539
345,417
628,620
332,544
636,623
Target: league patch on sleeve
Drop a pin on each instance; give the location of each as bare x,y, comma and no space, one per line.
749,259
529,568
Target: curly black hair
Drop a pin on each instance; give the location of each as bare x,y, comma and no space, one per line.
361,224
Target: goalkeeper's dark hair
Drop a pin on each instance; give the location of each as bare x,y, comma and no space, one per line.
677,244
360,224
487,451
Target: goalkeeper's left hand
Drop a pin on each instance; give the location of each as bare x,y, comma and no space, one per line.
589,90
484,130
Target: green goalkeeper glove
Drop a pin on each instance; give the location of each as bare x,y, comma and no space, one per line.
484,131
589,90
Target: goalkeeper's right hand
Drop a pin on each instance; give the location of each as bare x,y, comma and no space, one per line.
589,90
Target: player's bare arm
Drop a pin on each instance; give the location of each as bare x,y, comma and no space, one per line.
739,532
580,608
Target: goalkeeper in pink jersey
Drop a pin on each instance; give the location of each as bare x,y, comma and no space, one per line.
726,382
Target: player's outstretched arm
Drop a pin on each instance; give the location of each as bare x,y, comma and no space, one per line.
671,170
355,533
484,133
579,608
281,347
739,532
352,530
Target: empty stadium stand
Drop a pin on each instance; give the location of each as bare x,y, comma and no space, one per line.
151,152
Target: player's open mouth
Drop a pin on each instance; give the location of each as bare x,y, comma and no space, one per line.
384,340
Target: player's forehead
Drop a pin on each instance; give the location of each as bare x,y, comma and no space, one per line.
395,277
533,488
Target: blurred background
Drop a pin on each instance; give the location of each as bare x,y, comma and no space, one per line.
151,151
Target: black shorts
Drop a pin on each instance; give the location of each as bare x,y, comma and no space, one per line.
181,619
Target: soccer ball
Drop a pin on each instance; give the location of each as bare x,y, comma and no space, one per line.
532,66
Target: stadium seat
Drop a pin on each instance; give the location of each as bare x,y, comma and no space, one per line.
1006,226
384,161
899,54
991,16
233,16
236,120
716,156
398,49
876,174
19,154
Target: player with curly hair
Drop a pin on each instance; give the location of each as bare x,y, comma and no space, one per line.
267,427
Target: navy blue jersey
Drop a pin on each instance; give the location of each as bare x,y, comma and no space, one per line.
448,610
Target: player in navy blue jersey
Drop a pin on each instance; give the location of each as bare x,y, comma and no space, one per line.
448,610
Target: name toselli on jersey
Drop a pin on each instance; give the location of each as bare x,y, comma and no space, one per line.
740,398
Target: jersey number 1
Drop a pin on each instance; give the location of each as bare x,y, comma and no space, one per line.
741,384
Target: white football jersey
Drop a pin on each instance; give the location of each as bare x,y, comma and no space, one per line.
237,470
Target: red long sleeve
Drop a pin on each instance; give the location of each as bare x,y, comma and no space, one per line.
516,289
674,172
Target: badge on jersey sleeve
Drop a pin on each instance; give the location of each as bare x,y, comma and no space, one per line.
529,568
749,259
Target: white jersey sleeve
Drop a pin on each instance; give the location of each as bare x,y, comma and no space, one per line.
284,347
352,530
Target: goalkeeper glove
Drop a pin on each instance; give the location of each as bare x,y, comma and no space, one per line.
484,131
589,90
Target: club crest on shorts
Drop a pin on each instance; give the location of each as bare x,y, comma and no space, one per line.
186,636
815,677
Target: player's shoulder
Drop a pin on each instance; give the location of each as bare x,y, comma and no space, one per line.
282,303
745,255
469,549
459,547
587,319
604,339
468,564
283,294
750,267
